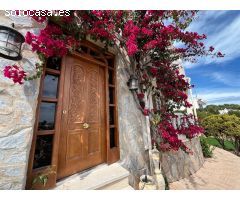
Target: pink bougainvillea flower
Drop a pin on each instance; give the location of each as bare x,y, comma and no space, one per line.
219,54
140,96
147,32
211,48
146,112
15,73
131,47
154,71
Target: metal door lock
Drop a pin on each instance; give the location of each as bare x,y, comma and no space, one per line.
86,125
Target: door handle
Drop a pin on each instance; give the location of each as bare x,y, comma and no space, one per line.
86,125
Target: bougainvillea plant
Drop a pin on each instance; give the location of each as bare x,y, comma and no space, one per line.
15,73
154,41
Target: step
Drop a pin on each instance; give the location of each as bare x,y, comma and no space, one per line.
95,178
118,185
128,188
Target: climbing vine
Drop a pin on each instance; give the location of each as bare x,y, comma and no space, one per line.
155,42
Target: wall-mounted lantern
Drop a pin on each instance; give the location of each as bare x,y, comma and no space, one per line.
133,83
10,43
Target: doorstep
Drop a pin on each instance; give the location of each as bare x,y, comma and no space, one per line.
109,177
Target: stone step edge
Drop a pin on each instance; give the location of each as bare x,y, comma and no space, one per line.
108,182
128,188
111,183
98,185
71,177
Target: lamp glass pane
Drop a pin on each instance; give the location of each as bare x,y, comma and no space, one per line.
3,35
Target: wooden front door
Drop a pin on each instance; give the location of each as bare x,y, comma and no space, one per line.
83,123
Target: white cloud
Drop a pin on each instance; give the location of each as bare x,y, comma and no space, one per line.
203,18
224,37
219,96
230,79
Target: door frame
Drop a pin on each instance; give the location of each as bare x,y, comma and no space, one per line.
112,154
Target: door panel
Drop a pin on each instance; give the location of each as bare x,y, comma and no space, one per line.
83,128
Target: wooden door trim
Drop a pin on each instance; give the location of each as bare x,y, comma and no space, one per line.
62,108
113,154
88,58
33,145
59,115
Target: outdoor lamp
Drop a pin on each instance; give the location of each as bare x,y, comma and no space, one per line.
10,43
133,83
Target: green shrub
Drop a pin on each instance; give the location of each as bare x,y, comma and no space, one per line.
212,141
207,149
222,127
228,145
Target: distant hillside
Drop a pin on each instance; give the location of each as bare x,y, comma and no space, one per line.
215,108
232,109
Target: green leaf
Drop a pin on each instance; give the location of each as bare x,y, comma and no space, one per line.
45,179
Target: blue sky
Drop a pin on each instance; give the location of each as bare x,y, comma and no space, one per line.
217,80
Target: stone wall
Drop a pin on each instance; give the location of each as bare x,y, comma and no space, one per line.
178,165
17,112
132,127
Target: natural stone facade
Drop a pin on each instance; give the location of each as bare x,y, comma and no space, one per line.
17,112
177,165
132,127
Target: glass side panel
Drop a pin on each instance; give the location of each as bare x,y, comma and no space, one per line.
82,49
111,77
111,62
94,53
111,95
43,151
112,138
54,63
111,115
50,86
47,116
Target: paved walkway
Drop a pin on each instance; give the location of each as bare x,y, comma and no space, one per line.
222,172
